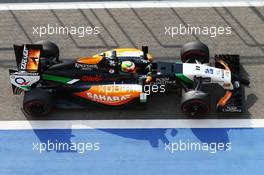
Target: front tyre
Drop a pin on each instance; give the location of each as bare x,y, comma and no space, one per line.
195,103
195,51
37,102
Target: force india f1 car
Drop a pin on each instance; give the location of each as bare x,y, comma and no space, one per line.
103,78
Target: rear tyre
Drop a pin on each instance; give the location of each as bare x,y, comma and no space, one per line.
50,49
49,55
195,103
37,102
192,51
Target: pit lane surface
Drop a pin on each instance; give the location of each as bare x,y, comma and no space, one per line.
134,28
159,147
133,151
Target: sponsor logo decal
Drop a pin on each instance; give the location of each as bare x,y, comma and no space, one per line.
24,60
96,78
113,95
106,98
34,59
164,81
21,81
24,74
209,71
86,66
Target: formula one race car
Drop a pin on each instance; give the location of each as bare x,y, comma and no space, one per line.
121,76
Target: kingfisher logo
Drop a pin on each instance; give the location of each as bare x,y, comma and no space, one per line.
21,81
107,99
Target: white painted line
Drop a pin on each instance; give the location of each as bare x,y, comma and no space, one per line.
73,81
130,124
128,4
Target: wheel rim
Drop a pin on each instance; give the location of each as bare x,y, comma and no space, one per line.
193,55
195,107
36,108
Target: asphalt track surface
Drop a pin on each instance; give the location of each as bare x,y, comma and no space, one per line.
134,28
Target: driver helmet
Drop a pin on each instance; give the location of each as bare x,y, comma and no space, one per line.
128,66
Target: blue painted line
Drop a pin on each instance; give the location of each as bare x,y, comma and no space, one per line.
134,151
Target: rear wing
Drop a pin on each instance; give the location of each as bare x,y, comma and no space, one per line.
28,64
28,57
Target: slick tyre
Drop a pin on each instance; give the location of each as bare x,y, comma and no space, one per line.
192,51
37,103
50,49
195,103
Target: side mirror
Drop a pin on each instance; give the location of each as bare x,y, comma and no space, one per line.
145,52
